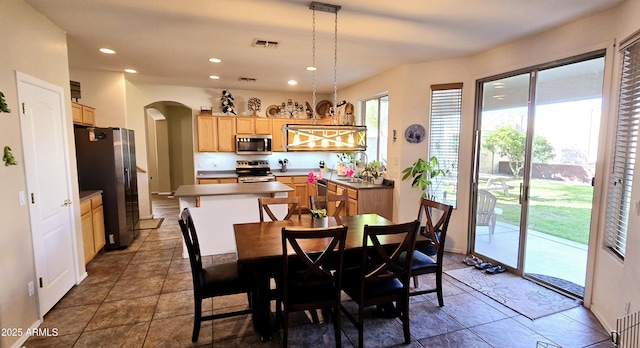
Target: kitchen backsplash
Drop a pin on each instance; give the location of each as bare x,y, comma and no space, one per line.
296,160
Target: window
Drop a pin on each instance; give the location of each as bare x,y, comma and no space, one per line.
444,137
619,195
376,118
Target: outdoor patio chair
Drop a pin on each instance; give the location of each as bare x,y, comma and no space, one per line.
487,213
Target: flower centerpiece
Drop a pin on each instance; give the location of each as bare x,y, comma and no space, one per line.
316,212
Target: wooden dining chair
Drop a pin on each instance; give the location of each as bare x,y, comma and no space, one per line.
436,218
308,284
293,207
216,280
386,281
340,202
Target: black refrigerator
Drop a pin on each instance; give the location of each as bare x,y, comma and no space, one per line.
107,161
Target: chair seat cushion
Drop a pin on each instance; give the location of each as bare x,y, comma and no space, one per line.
351,279
420,260
221,279
311,289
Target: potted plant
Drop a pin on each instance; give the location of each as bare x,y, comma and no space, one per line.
424,174
375,170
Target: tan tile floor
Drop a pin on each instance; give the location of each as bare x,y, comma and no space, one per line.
142,297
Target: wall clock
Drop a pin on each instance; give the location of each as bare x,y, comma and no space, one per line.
415,133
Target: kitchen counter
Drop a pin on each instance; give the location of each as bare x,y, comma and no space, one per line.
216,174
84,195
342,180
215,208
231,189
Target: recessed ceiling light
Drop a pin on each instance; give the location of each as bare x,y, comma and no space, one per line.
214,77
498,85
499,96
215,60
130,71
107,50
311,68
292,82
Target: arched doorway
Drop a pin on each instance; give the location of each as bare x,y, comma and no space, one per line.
169,129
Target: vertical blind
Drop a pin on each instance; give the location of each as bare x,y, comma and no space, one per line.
619,194
444,137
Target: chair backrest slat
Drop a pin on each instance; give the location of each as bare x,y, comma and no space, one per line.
293,207
323,202
394,264
436,218
190,238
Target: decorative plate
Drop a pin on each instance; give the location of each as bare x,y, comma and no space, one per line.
415,133
272,111
322,108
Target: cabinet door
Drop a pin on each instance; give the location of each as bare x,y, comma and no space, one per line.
228,180
263,125
278,142
301,187
98,228
88,115
245,125
208,181
353,207
76,110
87,237
226,134
207,133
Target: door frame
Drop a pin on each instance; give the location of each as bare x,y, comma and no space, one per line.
29,174
597,184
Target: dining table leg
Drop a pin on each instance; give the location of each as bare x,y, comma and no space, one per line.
262,312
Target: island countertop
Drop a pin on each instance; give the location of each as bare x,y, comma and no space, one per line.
231,189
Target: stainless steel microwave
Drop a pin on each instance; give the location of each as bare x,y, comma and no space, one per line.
253,144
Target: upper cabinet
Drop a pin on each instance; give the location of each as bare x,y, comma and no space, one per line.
83,115
253,125
218,133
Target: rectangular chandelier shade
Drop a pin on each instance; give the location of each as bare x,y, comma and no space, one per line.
325,138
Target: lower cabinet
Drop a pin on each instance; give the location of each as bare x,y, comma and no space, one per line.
218,181
92,216
300,185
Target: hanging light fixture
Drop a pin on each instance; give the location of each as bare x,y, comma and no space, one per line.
303,137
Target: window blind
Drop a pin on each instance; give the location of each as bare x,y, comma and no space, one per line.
619,194
444,137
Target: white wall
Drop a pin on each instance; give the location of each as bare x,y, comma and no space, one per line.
33,45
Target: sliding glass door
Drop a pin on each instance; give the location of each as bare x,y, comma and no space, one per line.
535,165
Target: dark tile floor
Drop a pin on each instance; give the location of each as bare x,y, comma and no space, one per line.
142,297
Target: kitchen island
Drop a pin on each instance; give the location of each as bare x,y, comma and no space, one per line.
216,207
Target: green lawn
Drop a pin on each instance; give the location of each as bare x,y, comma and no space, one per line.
557,208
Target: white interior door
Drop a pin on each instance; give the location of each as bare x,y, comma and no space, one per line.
46,162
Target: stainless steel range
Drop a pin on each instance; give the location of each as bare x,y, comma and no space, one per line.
254,171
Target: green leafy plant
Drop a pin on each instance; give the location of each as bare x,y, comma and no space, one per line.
424,174
376,169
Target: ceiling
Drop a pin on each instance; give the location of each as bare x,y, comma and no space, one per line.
170,42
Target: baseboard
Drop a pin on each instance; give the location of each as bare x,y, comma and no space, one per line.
19,343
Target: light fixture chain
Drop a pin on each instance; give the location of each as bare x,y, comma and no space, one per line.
313,64
335,70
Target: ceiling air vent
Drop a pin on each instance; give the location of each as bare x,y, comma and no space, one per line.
264,43
247,79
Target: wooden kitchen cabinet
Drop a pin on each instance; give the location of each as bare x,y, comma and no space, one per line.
83,114
301,187
218,181
226,134
216,134
253,125
92,217
207,133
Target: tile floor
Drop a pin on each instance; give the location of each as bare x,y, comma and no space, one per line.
142,297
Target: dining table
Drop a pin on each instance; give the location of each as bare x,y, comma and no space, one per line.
260,256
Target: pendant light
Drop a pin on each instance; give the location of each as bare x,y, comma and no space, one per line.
330,136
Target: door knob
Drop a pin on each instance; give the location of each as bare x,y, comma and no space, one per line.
66,203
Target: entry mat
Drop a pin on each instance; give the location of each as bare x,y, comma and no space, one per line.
147,224
521,295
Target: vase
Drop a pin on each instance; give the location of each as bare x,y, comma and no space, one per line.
320,221
378,180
